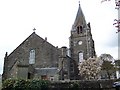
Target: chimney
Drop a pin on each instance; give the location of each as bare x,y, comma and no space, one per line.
45,38
64,51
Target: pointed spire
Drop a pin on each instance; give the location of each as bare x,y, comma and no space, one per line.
80,19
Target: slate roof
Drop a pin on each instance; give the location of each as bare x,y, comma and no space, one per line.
80,18
46,71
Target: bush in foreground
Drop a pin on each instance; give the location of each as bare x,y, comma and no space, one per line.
21,84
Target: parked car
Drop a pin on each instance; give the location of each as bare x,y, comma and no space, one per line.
116,84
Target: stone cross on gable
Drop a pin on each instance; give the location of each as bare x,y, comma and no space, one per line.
34,30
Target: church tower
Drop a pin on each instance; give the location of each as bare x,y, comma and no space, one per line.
81,42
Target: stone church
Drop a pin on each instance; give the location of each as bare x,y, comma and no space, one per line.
36,58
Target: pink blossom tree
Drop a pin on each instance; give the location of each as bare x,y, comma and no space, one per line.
90,69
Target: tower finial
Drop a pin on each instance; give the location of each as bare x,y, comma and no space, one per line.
79,2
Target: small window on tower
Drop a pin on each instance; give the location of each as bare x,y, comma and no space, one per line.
81,29
78,30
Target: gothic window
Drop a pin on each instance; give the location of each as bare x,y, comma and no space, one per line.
80,54
81,29
78,31
32,57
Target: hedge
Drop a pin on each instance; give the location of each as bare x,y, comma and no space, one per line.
21,84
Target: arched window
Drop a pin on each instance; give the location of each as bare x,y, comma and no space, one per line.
81,29
80,54
32,57
78,30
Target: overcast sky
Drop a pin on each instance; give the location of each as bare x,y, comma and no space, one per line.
53,19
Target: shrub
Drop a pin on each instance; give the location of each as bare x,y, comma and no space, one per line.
19,84
74,86
22,84
8,84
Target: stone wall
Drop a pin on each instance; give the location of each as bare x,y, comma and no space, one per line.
46,55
